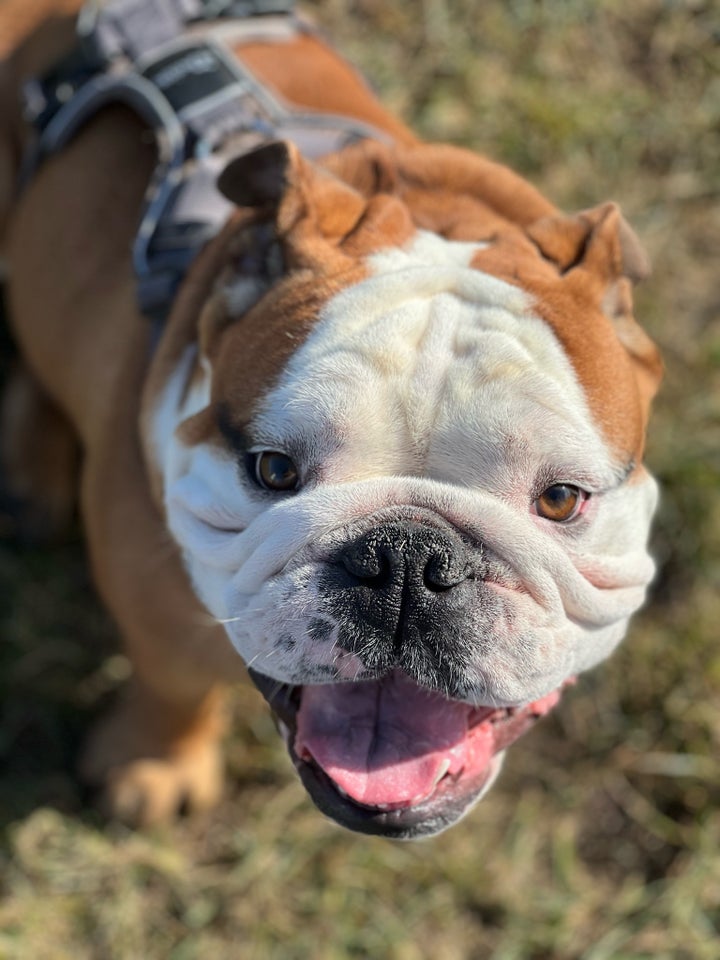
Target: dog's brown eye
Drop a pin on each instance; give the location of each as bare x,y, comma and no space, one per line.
275,471
560,502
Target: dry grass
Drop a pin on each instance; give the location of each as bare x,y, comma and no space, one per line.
601,841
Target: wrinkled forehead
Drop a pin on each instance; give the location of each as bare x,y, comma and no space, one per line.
425,359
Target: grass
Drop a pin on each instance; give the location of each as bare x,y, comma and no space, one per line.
601,840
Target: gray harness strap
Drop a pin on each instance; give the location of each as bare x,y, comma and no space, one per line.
168,60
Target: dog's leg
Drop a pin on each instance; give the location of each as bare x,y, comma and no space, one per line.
157,752
153,757
39,458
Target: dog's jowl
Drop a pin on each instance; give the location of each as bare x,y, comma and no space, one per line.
360,414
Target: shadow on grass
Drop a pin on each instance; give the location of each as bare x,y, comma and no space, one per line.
55,670
55,662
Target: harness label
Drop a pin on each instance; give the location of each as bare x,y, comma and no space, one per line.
189,75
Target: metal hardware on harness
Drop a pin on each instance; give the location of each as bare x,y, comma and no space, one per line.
159,58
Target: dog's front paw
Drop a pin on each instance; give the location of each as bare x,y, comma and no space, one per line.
147,792
147,774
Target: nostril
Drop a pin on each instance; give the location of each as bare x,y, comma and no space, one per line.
373,574
369,567
443,572
435,587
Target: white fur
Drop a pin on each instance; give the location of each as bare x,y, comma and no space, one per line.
429,386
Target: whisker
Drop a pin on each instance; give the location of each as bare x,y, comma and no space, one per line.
276,689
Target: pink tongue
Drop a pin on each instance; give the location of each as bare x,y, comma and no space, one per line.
383,742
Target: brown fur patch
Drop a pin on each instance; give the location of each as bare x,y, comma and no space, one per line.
309,74
571,305
20,18
254,349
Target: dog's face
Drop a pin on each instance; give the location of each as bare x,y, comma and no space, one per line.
404,472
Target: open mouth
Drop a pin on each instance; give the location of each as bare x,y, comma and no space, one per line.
391,757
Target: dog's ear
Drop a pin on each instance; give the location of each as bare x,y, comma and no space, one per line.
298,217
598,239
598,249
303,198
257,178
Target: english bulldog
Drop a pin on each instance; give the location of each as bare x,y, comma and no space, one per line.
386,454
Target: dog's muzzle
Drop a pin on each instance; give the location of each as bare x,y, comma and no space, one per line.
399,752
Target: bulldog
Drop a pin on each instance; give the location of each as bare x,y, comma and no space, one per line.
385,451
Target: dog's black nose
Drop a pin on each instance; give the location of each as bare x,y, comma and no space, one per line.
400,595
397,552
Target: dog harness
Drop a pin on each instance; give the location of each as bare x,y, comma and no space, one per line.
170,61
